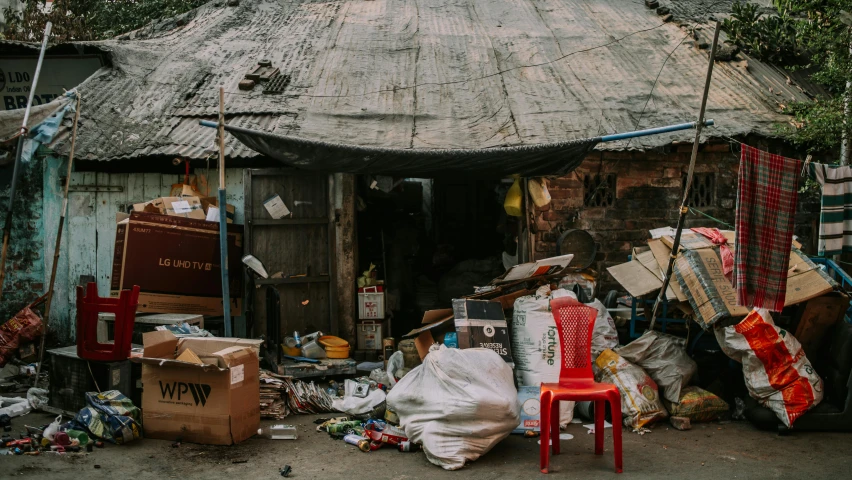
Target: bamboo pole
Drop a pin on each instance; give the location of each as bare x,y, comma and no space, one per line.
16,171
223,220
56,248
684,207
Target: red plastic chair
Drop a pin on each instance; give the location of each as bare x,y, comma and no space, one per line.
575,323
88,308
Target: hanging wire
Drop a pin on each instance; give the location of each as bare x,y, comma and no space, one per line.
695,211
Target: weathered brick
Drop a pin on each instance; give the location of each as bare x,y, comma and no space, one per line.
680,423
564,183
717,147
672,172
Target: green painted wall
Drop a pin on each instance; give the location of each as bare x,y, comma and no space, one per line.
24,266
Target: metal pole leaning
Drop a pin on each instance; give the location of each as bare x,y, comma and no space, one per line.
684,207
223,220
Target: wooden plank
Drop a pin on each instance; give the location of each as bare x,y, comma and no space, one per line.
332,259
52,207
82,236
105,219
297,249
345,255
250,292
152,186
135,192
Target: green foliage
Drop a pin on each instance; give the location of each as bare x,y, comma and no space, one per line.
802,34
89,19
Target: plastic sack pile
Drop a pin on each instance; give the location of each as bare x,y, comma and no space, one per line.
640,398
23,327
665,360
458,404
110,416
777,373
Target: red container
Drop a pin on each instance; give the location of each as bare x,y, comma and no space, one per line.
88,308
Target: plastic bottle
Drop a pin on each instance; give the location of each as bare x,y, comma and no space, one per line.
358,441
79,435
51,429
278,432
298,339
62,439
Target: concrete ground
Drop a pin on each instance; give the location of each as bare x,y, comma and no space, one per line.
708,451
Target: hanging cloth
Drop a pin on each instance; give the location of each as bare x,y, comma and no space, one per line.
715,236
766,206
835,216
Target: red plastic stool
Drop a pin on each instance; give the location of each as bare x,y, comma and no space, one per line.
88,308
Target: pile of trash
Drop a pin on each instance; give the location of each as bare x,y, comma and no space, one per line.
777,372
110,417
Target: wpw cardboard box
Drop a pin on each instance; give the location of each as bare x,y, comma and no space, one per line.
216,402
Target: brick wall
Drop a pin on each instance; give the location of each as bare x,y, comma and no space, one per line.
648,194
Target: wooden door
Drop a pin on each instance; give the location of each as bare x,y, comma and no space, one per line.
297,249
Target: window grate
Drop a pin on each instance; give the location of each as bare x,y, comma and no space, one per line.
599,190
703,191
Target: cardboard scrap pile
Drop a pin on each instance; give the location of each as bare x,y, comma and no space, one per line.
478,320
700,288
189,204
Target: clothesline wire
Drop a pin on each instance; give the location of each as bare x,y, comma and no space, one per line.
699,212
647,100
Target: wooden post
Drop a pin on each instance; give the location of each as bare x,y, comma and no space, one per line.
16,170
223,220
56,248
684,207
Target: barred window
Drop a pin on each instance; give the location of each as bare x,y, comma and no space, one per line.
703,191
599,190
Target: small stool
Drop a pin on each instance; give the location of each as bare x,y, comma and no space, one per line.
88,308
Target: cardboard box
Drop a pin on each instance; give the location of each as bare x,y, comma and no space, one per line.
546,266
437,323
530,400
481,324
175,261
216,403
185,207
477,323
207,202
713,297
635,278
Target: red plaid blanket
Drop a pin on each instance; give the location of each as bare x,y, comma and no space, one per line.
766,205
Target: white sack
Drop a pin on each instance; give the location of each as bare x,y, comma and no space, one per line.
777,373
14,406
352,405
664,358
458,404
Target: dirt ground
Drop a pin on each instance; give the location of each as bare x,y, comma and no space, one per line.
709,451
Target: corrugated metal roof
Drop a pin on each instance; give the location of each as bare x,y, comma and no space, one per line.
418,74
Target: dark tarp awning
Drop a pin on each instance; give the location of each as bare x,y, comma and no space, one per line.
527,160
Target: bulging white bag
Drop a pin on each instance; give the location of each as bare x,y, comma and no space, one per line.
777,373
458,404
